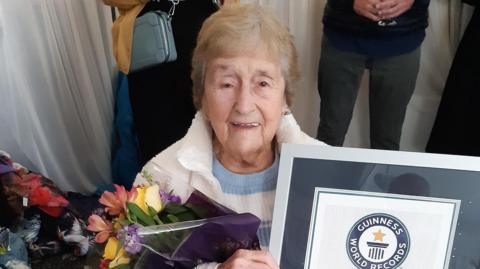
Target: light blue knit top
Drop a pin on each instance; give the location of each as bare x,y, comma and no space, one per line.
255,192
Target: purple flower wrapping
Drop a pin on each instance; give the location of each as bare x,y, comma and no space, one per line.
214,241
213,208
217,240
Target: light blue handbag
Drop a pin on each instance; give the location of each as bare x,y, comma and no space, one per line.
153,42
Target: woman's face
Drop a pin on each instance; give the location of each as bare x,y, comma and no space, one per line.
243,100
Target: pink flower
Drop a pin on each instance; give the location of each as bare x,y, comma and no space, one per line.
115,202
132,195
102,227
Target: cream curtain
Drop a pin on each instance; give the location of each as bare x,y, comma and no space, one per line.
448,19
55,89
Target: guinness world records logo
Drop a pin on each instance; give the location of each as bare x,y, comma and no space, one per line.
378,241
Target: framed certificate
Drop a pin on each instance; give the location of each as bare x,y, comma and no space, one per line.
360,208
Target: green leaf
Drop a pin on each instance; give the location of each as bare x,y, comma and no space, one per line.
173,218
134,219
174,208
186,216
140,215
152,211
157,220
129,216
200,211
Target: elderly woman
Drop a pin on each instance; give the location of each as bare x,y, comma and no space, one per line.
244,71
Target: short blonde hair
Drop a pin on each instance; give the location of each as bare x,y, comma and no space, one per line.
237,29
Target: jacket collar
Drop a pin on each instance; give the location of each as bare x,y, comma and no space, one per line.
196,153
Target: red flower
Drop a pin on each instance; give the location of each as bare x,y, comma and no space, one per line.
104,263
48,201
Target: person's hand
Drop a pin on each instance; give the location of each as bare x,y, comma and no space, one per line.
388,9
251,259
367,8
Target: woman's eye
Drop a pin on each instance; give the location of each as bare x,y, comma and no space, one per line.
264,84
227,85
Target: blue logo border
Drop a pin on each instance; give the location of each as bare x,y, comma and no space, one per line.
377,214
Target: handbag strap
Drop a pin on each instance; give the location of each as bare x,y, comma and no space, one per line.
171,12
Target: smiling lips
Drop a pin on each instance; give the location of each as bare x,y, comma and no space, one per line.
245,124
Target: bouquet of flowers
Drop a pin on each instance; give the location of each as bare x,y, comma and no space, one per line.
148,227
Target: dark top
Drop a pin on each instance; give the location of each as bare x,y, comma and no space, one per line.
339,15
348,31
375,46
455,130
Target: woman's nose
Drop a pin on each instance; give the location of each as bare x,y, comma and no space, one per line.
245,102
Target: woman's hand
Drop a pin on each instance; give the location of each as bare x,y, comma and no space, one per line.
251,259
389,9
367,8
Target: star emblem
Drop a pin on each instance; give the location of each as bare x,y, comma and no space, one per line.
378,235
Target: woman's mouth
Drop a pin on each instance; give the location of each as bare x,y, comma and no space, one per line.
245,124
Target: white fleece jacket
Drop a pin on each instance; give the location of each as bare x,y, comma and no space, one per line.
187,164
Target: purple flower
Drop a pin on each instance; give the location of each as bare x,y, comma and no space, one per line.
175,199
131,240
167,197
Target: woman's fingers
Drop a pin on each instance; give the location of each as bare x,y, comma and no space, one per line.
393,8
253,259
367,9
387,4
261,256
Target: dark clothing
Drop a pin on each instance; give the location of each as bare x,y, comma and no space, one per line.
376,46
161,96
390,51
125,152
392,81
340,16
455,130
348,31
471,2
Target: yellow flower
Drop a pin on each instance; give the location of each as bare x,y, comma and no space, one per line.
120,259
152,198
113,253
111,249
140,199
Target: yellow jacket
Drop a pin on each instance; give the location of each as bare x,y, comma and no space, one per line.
122,30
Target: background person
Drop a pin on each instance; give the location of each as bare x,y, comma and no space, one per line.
383,36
